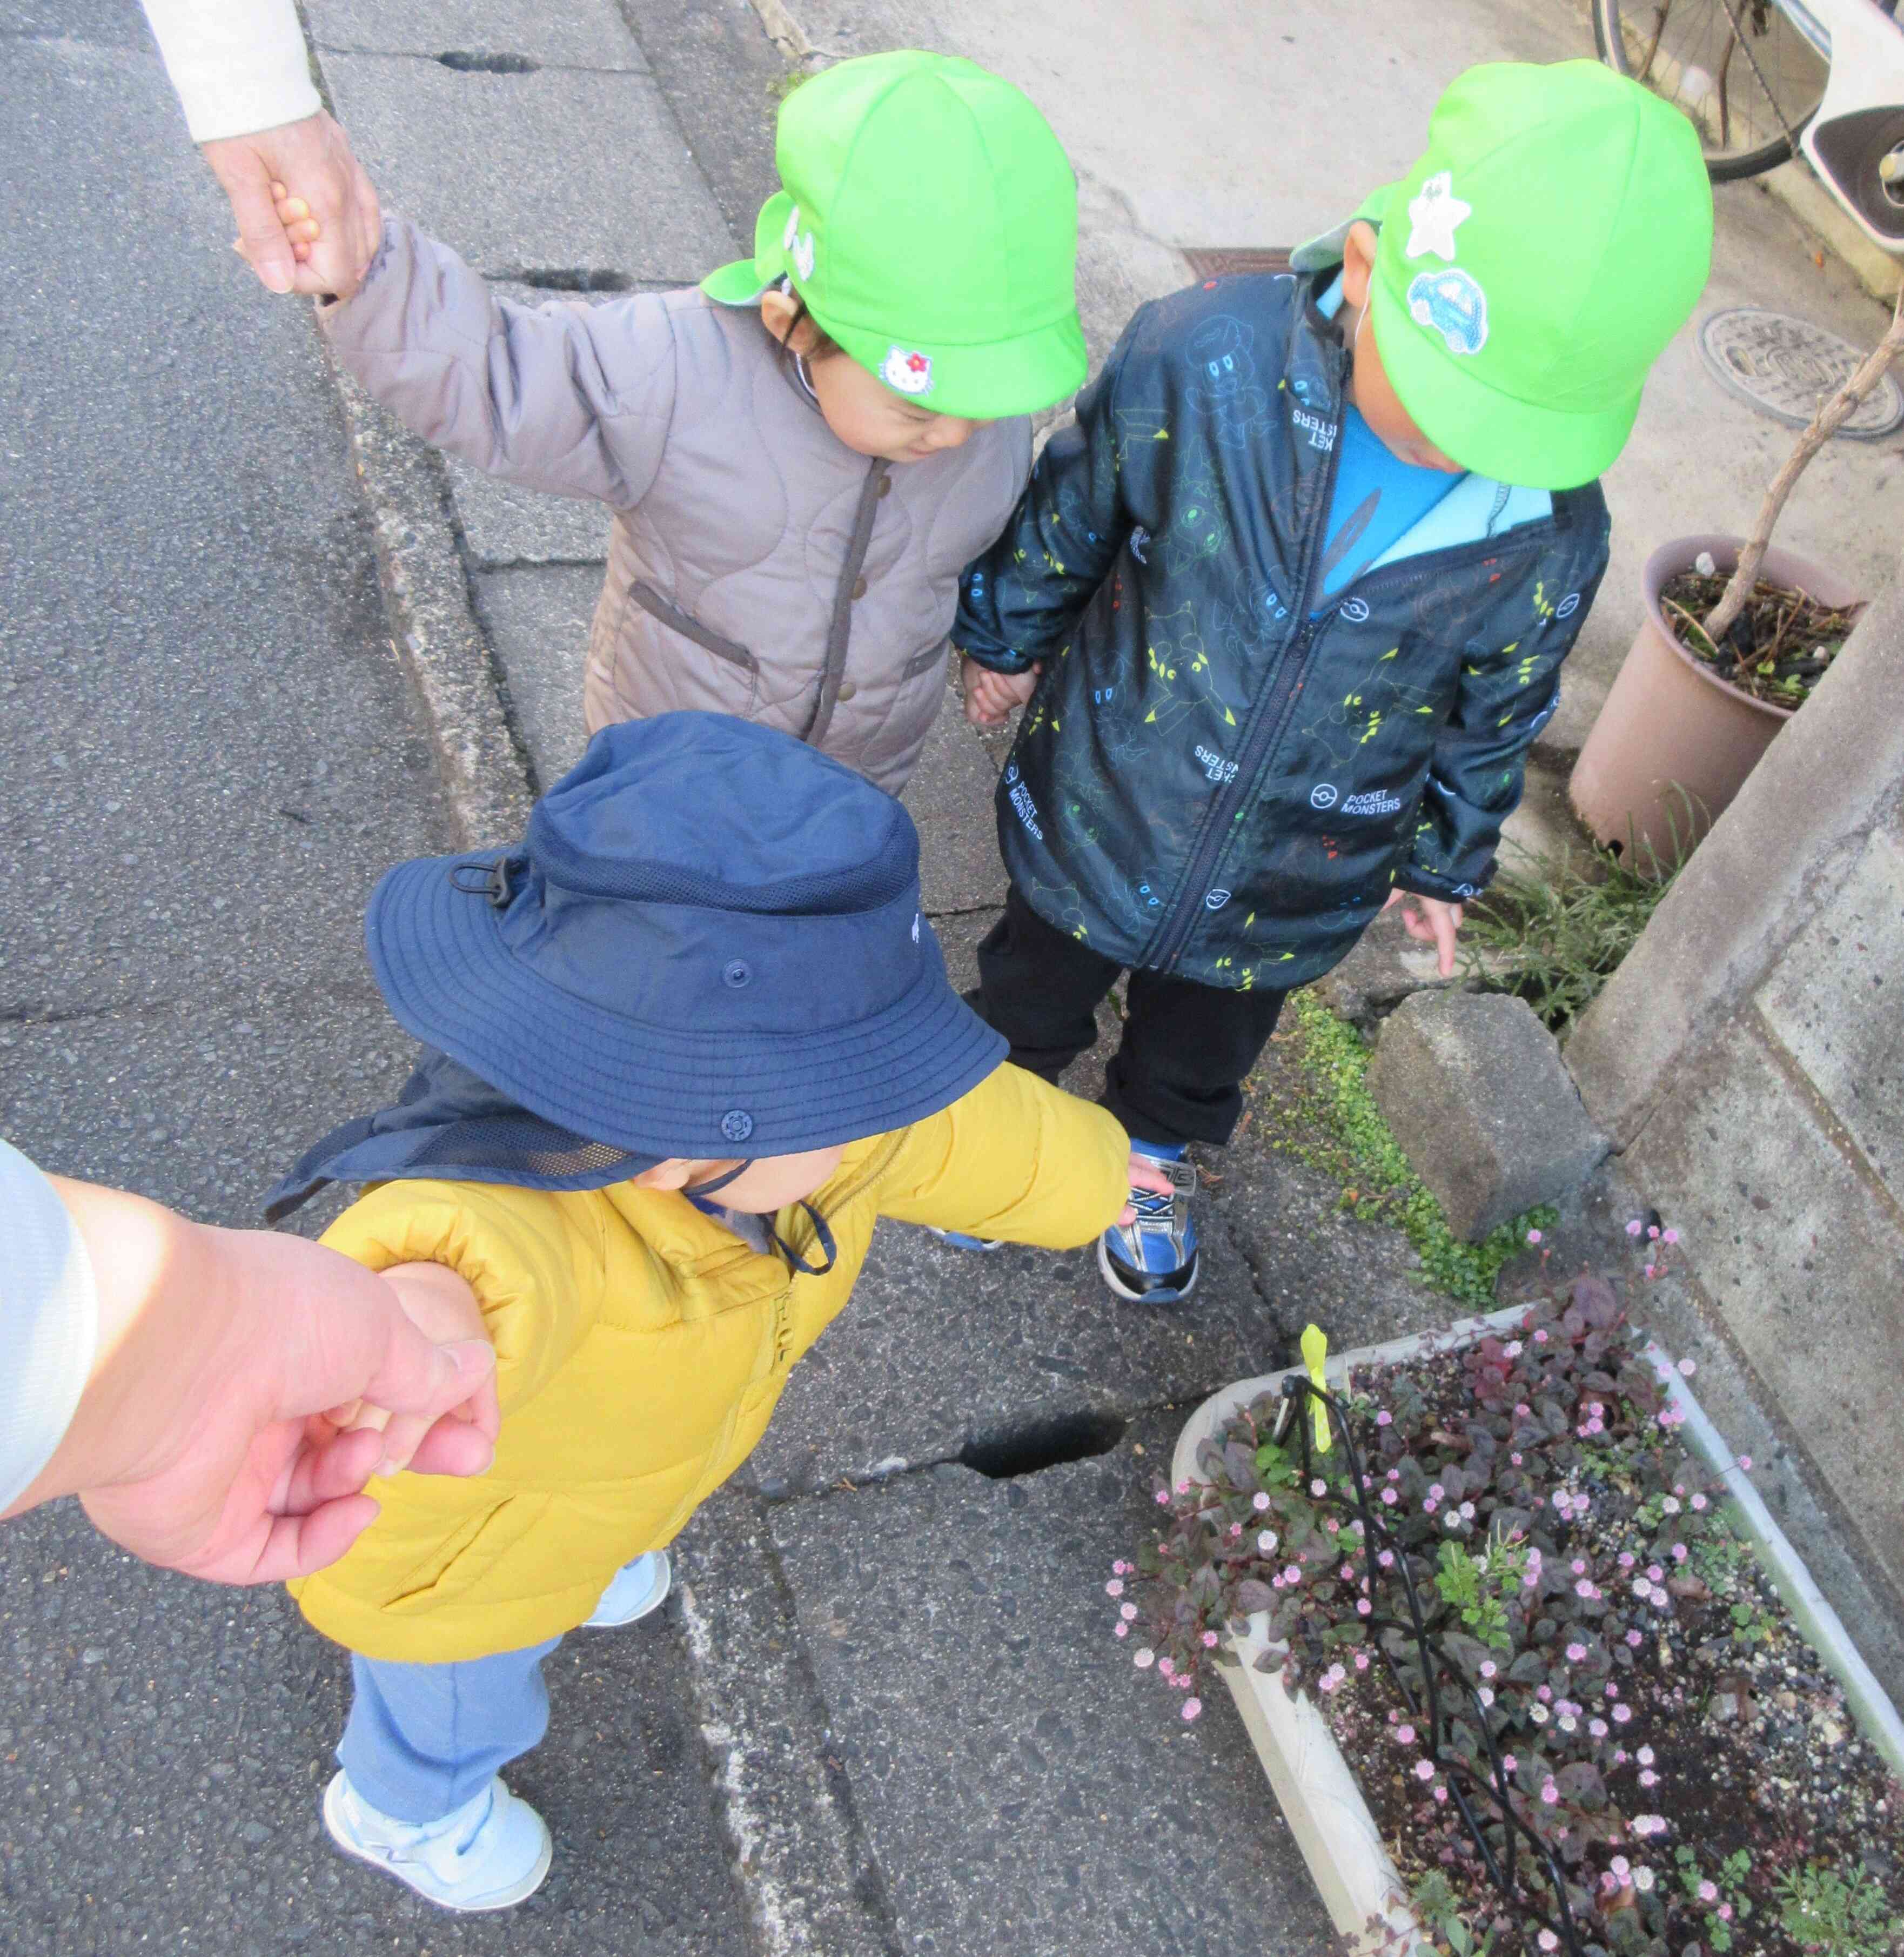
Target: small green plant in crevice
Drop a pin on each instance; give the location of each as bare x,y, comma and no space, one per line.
1835,1915
1481,1587
1552,931
1722,1895
1327,1118
1439,1909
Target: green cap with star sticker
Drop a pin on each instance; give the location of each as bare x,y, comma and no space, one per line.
928,218
1534,264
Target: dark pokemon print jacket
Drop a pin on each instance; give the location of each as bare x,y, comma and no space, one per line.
1220,776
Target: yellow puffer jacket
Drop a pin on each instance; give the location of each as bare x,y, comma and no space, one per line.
640,1350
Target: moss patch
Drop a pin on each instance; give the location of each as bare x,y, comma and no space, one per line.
1310,1101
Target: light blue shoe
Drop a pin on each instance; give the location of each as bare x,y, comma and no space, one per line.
490,1853
636,1588
1153,1259
960,1241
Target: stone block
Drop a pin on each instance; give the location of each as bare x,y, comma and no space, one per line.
579,34
1023,1786
1473,1086
492,164
1836,999
507,525
538,619
1799,1253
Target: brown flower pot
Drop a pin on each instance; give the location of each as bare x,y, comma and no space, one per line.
1674,742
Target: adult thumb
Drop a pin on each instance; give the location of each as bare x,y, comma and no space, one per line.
261,243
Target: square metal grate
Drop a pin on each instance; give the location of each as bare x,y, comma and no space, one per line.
1229,261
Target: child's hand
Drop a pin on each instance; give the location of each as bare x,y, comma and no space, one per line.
990,697
441,1305
1435,922
300,226
1144,1175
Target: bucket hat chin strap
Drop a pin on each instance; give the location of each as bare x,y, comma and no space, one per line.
828,1248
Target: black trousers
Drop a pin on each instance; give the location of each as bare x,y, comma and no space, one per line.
1177,1075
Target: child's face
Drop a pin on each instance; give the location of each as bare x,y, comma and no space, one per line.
768,1183
860,409
1369,389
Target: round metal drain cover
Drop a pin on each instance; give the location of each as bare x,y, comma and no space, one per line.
1785,367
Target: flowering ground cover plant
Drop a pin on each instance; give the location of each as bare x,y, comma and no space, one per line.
1579,1712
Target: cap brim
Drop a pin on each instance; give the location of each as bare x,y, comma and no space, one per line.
1489,433
984,382
738,284
448,978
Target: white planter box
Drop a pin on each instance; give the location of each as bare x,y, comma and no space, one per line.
1319,1794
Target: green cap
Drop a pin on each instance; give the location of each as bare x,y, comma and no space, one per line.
929,220
1534,263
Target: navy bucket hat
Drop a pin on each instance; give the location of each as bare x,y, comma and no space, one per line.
708,944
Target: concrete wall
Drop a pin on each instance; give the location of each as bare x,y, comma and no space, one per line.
1748,1059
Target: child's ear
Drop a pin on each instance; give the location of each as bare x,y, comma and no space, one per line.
1357,263
778,311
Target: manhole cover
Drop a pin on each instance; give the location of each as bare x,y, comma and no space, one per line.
1228,262
1785,367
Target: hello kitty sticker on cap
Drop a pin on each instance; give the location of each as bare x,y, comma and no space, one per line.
910,373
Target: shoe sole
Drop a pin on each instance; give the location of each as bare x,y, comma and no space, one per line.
648,1609
1156,1295
506,1899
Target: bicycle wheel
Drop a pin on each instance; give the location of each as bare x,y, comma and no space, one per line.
1742,71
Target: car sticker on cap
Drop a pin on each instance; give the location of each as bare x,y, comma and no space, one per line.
910,373
1453,304
798,245
1434,212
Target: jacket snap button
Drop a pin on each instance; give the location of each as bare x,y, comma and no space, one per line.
737,973
859,590
737,1124
847,689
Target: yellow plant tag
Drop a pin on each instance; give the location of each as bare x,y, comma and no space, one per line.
1315,1349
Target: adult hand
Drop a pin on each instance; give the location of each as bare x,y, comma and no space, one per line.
329,248
1433,920
199,1443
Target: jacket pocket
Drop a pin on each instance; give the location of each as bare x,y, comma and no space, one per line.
924,662
470,1553
671,614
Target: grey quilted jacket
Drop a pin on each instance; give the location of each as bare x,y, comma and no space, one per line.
758,566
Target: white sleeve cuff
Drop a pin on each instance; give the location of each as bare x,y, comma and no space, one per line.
49,1323
239,65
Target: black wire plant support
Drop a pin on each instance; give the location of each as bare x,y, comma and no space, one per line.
1467,1788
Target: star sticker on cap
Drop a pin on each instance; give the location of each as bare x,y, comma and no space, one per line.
1433,212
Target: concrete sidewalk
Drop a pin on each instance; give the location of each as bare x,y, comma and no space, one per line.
885,1713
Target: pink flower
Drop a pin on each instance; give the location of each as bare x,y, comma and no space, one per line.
1745,1462
1121,1630
1621,1714
1575,1653
1544,1693
1405,1735
1126,1611
1166,1667
1386,1558
1649,1824
1259,1501
1114,1588
1669,1236
1440,1792
1598,1727
1632,1637
1236,1528
1163,1498
1436,1491
1620,1867
1687,1368
1488,1668
1578,1566
1209,1641
1293,1574
1388,1495
1191,1708
1120,1568
1428,1505
1549,1941
1584,1588
1725,1912
1654,1573
1183,1487
1533,1236
1627,1559
1647,1778
1361,1660
1634,1228
1318,1487
1549,1793
1508,1763
1680,1552
1384,1417
1363,1607
1709,1892
1424,1769
1644,1757
1515,1459
1144,1657
1699,1501
1266,1541
1540,1337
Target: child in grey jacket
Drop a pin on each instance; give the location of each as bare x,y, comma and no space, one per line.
803,452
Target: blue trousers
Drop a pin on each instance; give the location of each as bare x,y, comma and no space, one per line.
423,1739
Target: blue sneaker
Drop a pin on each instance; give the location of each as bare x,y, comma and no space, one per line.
1153,1259
636,1589
960,1241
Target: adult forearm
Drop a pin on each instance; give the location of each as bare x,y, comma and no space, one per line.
239,65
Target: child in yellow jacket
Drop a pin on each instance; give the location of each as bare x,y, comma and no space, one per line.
684,1045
